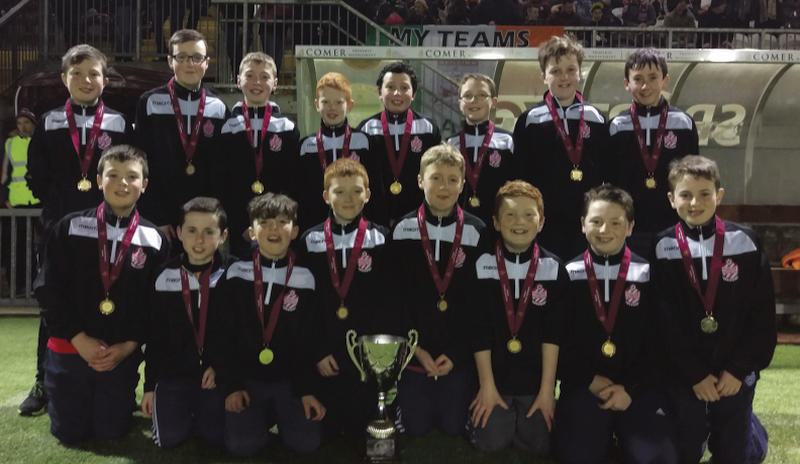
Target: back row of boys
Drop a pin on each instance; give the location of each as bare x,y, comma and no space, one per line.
454,232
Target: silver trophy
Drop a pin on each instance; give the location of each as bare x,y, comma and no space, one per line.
382,357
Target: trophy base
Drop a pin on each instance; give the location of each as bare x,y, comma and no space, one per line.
381,450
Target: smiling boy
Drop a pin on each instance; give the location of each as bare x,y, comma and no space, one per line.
559,144
98,267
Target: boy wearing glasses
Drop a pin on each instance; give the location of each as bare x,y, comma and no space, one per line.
487,149
177,125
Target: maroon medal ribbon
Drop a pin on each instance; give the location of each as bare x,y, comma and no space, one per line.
607,317
515,321
344,286
345,153
258,288
574,152
716,264
396,161
650,159
109,277
441,283
189,145
259,154
199,329
86,160
474,171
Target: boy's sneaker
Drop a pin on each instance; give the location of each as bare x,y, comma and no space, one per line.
36,401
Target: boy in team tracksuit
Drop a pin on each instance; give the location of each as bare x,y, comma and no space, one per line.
433,253
609,370
643,141
717,317
99,265
262,146
346,253
516,327
269,372
184,345
560,145
488,150
398,137
63,155
335,139
178,126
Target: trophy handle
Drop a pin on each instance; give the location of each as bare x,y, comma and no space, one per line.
350,341
413,337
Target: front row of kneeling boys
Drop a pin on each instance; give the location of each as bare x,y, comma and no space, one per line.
665,357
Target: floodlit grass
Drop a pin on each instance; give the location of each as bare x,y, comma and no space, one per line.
28,440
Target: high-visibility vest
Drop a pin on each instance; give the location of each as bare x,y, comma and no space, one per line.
17,154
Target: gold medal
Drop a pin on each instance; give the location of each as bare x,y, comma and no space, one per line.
474,201
396,188
442,304
257,187
576,175
190,170
266,356
650,182
514,346
609,349
106,307
84,185
709,325
342,312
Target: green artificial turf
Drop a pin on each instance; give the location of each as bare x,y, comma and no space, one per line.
28,440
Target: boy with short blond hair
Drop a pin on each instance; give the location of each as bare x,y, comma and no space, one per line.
334,140
263,144
186,343
516,327
560,145
717,318
644,140
178,124
269,371
98,267
63,155
398,137
608,365
347,255
433,250
487,150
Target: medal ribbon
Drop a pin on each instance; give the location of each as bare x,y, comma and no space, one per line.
474,171
107,277
650,159
514,323
258,288
575,153
396,161
73,132
716,264
198,330
441,283
345,146
344,286
190,145
607,317
258,154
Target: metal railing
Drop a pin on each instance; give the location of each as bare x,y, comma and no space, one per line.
660,37
18,242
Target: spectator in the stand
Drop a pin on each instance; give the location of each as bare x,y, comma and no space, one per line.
420,14
789,13
393,9
716,18
680,16
639,13
584,10
455,12
564,14
602,17
537,14
500,12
